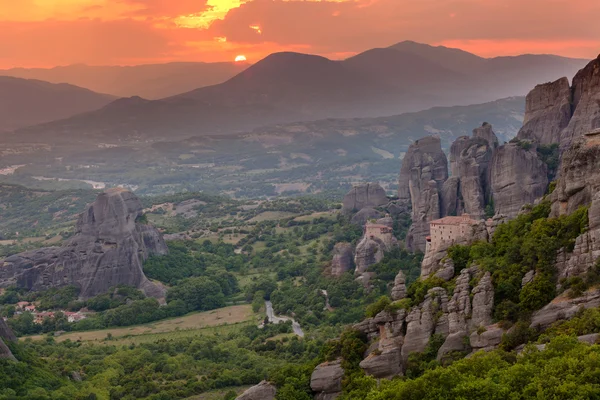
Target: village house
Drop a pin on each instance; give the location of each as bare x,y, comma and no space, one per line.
74,316
450,230
21,305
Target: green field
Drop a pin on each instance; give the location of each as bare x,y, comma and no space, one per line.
220,321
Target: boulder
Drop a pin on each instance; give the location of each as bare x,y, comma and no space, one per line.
262,391
383,364
423,173
326,379
547,112
107,249
342,259
362,196
518,177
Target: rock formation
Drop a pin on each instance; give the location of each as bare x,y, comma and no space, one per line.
579,185
262,391
469,189
6,334
364,215
369,195
547,112
108,249
326,380
342,259
518,177
424,171
564,308
378,238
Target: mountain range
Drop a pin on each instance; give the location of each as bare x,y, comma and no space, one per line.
287,87
27,101
151,81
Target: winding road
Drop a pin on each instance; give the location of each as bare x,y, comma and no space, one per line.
274,319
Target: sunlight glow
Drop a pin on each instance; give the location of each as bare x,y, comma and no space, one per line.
240,58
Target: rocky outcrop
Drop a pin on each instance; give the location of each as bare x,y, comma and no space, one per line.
423,321
262,391
586,104
342,259
487,339
459,310
547,112
326,380
518,177
362,196
6,334
108,249
399,288
486,132
483,302
378,238
424,171
563,308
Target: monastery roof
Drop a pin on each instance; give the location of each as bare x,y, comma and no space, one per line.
463,219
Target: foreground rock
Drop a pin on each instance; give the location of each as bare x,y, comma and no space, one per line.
369,195
108,249
262,391
326,380
423,173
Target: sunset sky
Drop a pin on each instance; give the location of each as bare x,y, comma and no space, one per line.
44,33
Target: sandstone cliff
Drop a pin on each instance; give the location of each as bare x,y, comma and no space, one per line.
326,380
423,173
108,249
378,238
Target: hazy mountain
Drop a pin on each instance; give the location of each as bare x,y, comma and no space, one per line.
152,81
286,87
283,87
26,102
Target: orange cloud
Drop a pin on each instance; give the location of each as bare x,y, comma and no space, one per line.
50,32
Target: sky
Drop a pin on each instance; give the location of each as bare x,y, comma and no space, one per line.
46,33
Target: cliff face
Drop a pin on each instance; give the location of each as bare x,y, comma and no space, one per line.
547,112
374,244
586,104
342,259
469,189
579,185
423,173
518,177
107,249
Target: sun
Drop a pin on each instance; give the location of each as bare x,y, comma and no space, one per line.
240,58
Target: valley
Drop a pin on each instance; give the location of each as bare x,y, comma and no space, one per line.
403,223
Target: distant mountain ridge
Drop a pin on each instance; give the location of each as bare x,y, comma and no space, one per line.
27,101
151,81
287,87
